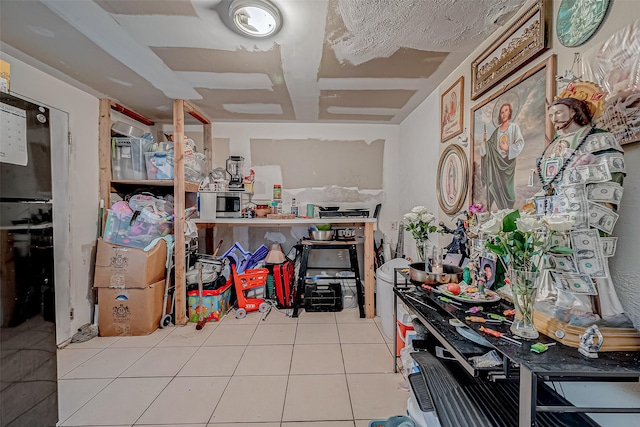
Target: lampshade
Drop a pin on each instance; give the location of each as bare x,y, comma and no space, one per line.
275,255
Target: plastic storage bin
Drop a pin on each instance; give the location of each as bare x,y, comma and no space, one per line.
215,303
123,229
159,165
127,158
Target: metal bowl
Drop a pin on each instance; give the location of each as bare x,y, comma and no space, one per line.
321,234
418,273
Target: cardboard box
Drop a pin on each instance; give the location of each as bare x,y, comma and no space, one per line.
127,311
214,303
118,266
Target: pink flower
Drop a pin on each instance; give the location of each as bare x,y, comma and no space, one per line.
474,209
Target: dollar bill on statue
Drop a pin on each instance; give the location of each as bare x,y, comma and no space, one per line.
615,162
587,252
608,245
608,192
598,172
600,142
551,204
577,206
574,283
559,239
602,218
562,263
580,219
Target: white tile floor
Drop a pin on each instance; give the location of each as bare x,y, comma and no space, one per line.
319,370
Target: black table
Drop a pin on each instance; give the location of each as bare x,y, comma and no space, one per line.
520,364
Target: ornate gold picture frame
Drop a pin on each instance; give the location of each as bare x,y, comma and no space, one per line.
453,178
451,110
527,38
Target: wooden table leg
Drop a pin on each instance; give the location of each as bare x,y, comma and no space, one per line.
369,283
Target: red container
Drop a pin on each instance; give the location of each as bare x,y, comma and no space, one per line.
403,326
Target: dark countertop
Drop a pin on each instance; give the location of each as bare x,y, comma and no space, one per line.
558,361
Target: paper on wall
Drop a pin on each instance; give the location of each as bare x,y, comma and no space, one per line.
13,135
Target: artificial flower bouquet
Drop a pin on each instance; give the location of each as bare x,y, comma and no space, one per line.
521,240
420,223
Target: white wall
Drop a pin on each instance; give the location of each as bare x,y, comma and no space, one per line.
239,135
420,150
418,163
76,203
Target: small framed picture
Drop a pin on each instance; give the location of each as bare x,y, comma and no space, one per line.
488,266
452,110
452,183
551,167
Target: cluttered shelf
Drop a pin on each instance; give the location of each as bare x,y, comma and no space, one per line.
189,186
449,325
129,159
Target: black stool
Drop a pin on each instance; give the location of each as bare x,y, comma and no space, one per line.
307,246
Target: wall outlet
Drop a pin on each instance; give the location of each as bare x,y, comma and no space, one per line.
394,225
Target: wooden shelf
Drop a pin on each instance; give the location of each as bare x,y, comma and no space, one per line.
178,186
189,186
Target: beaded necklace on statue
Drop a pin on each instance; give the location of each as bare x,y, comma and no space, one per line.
548,185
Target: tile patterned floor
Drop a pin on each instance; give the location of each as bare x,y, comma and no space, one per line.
319,370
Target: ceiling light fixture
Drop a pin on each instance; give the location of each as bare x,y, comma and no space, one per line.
255,18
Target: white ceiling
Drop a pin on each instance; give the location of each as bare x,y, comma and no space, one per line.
337,61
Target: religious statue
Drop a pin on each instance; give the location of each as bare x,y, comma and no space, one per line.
581,171
589,347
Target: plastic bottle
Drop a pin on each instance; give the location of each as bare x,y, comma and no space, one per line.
294,207
277,192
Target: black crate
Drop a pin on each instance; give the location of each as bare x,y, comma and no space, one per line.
322,297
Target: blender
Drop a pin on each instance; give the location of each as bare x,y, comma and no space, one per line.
234,169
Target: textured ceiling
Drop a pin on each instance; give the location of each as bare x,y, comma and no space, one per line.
339,61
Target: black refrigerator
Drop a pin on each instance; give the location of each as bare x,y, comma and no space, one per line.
28,367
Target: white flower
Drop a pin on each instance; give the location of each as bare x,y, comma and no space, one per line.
411,217
558,223
499,215
492,227
527,224
427,217
419,223
419,210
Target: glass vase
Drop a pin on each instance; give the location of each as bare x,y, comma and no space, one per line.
422,249
524,285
